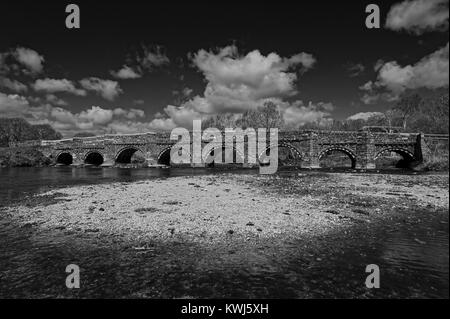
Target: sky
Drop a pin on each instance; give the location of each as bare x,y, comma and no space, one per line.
147,66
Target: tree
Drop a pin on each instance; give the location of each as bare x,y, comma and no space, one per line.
438,112
407,107
19,130
221,121
266,116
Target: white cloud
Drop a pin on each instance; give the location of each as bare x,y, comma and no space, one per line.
21,61
57,85
53,99
298,114
107,89
152,57
126,73
182,116
129,114
187,91
97,115
237,82
13,85
162,124
29,58
12,104
430,72
418,16
355,69
254,70
364,116
95,119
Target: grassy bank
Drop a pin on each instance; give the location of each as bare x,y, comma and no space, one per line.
436,163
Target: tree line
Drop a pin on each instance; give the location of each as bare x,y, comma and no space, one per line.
412,113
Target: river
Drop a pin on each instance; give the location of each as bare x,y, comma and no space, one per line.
419,268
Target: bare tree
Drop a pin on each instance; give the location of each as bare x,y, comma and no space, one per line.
266,116
407,107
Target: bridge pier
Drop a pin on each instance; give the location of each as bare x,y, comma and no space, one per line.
77,162
365,151
198,165
313,152
108,163
313,162
151,161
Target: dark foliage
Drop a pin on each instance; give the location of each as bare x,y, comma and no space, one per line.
19,130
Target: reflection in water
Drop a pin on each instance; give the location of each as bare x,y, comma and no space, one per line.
18,182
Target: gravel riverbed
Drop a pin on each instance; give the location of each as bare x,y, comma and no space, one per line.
299,236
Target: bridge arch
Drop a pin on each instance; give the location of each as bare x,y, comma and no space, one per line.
164,157
94,158
124,155
64,158
406,156
293,154
341,149
209,159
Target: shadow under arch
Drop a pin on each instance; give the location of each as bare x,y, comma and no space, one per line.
405,160
125,155
288,155
94,158
64,158
164,157
338,161
217,156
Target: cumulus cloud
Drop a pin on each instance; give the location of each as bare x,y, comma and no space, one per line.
185,92
152,57
130,114
21,60
13,85
418,16
298,114
182,116
12,104
29,58
364,116
236,83
144,60
53,99
57,85
126,73
162,124
94,119
107,89
430,72
355,69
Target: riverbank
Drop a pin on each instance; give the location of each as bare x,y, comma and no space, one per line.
300,236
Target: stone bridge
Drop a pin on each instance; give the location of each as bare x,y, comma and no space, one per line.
303,148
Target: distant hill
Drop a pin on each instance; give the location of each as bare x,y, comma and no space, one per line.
18,130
